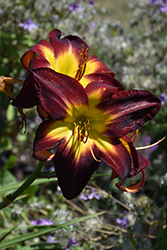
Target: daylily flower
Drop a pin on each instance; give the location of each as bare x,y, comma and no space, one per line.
68,56
88,124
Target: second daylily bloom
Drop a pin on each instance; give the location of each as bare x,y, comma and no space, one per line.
88,124
68,56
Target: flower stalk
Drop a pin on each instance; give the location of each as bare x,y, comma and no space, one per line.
11,197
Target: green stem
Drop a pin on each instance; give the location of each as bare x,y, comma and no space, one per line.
11,197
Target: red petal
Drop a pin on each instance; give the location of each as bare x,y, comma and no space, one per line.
49,134
73,174
129,110
139,161
100,67
27,97
103,87
114,153
57,91
102,78
44,50
64,43
38,62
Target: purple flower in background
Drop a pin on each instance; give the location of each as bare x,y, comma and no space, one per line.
162,98
51,239
29,25
90,196
92,2
42,222
56,17
155,1
147,70
73,6
93,25
163,8
162,3
71,243
123,222
93,195
83,197
147,141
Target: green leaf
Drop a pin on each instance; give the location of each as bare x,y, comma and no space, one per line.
161,242
7,233
42,246
14,186
6,178
42,230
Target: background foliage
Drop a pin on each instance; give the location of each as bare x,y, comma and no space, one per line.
41,218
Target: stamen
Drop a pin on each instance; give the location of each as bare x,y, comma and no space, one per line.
94,157
92,54
74,128
83,59
150,146
79,130
133,135
82,130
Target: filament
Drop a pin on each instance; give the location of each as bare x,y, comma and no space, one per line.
151,145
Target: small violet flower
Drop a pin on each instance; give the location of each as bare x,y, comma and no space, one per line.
89,196
163,8
123,222
93,25
73,6
147,141
71,243
92,2
29,25
51,239
162,3
163,98
42,222
93,194
56,17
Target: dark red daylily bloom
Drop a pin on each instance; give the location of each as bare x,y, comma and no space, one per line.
68,56
89,124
